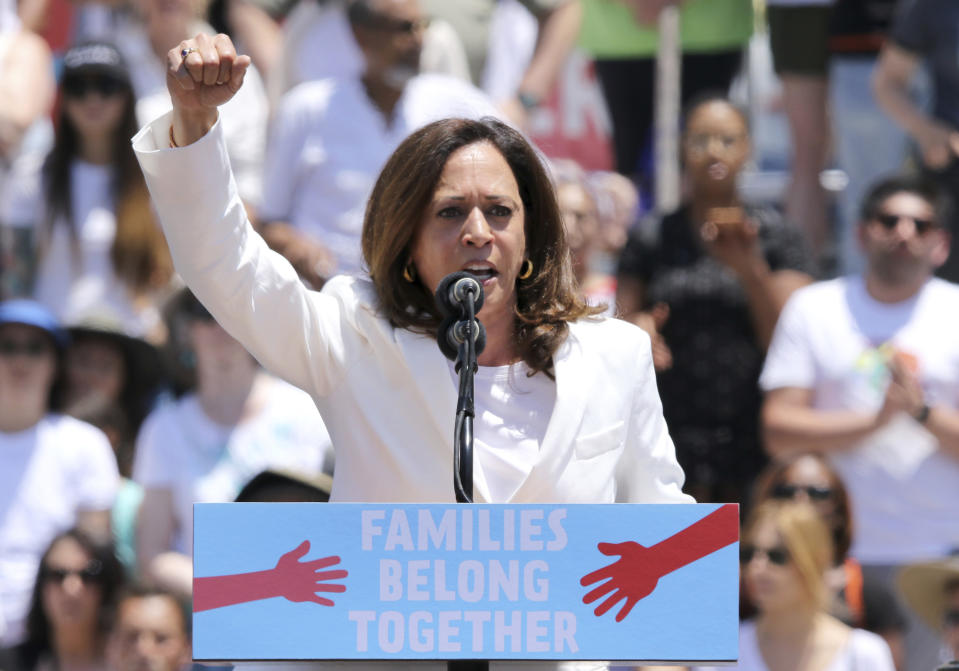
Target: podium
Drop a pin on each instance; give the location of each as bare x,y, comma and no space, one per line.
352,581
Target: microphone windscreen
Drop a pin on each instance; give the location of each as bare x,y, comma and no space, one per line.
449,294
447,345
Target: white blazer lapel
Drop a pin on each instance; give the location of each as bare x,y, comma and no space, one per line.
572,391
430,373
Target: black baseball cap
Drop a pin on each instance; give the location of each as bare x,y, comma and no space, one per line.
95,58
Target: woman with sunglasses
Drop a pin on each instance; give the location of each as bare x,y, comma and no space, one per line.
55,471
854,598
707,283
98,243
72,605
785,552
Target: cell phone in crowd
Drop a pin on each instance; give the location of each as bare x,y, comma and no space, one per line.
727,219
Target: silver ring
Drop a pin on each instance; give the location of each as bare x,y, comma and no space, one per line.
186,52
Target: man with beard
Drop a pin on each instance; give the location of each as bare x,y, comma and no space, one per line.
331,137
866,370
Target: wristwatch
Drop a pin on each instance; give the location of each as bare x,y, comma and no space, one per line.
529,101
922,414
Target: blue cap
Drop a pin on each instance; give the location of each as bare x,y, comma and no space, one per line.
32,313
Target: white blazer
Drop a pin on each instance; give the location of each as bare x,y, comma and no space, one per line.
386,394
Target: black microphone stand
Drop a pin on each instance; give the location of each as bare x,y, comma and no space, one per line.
463,435
466,366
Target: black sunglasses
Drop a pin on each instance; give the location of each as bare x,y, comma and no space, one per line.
88,575
777,555
814,493
951,618
79,87
891,221
34,347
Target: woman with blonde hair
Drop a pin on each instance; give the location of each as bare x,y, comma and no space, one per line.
785,552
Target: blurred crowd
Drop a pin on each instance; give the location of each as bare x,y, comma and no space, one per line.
804,341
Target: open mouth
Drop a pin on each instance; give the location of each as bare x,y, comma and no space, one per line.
718,171
484,274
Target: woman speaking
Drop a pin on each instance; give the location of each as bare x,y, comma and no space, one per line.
566,403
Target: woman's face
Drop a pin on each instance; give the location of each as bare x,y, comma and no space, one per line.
94,367
579,218
94,104
71,593
808,480
217,352
28,362
475,222
772,581
715,147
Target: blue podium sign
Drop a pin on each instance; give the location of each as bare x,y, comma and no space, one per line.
292,581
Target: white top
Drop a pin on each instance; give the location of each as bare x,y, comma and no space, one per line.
20,176
864,651
182,450
509,429
834,338
73,285
245,116
328,144
9,20
512,40
318,43
48,473
386,394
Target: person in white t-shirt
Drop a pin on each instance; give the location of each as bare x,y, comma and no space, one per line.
211,442
331,137
144,43
98,243
317,43
55,472
866,370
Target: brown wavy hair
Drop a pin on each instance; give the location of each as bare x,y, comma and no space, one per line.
545,302
138,253
109,578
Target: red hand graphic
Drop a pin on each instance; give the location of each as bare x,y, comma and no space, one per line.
292,579
631,577
635,574
300,581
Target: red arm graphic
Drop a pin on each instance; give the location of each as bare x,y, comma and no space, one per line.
290,578
637,571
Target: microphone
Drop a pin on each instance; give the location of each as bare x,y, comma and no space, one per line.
452,333
452,293
455,295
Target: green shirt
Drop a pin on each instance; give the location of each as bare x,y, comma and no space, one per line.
610,30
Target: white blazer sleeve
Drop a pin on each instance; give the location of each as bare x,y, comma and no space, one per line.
252,292
649,472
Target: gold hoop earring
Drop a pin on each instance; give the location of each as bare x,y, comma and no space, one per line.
408,273
527,270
